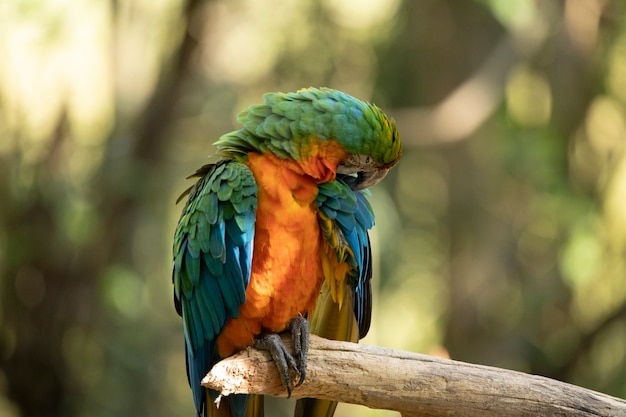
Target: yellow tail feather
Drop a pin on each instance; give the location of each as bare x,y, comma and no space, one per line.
331,320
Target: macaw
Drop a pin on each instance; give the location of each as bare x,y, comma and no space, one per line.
275,234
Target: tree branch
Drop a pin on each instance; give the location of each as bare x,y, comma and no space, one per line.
411,383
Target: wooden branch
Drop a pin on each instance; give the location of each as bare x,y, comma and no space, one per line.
411,383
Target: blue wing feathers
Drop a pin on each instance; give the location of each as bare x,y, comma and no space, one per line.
238,276
245,261
197,367
333,203
216,241
235,233
346,220
350,216
233,278
215,265
228,294
364,213
193,326
214,306
355,244
212,262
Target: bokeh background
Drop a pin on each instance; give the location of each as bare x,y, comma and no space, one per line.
500,237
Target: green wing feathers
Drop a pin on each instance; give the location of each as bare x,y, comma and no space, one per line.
212,261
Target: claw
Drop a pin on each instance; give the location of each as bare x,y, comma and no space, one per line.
300,335
272,342
281,357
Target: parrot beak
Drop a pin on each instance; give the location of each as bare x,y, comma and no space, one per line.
363,179
360,172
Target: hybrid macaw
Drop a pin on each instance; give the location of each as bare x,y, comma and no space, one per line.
276,234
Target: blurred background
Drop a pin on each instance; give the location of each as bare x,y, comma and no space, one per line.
500,236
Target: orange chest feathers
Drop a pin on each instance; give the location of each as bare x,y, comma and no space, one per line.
287,270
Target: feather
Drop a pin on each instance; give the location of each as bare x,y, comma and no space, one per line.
224,192
234,232
192,268
216,241
203,235
208,297
214,238
212,262
215,265
280,124
196,335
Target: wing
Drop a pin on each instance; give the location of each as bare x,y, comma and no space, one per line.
345,218
212,259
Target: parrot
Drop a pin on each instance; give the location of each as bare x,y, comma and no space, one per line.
273,237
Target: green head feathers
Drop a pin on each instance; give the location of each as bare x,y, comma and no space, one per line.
287,122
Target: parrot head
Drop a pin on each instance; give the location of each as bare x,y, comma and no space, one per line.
371,157
290,124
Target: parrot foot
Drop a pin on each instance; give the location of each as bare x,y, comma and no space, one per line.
272,342
299,327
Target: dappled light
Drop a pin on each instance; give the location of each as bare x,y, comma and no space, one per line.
528,97
500,236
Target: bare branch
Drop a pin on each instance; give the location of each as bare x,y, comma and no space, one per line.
411,383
